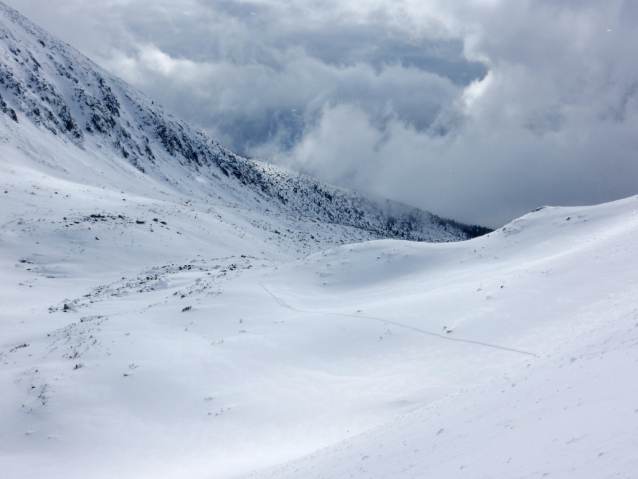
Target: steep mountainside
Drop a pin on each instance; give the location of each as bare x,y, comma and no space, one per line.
48,83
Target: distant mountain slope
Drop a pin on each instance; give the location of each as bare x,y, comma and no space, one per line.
48,83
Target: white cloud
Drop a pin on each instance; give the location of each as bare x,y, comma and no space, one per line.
381,95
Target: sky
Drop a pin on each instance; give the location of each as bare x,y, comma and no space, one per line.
476,110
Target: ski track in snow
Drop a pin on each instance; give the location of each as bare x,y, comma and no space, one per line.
387,321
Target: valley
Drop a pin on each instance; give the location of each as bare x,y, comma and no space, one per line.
191,313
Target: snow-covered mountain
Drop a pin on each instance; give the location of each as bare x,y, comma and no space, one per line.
184,312
48,83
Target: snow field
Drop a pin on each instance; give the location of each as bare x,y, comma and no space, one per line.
277,359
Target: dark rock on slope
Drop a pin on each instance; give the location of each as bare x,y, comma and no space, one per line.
44,81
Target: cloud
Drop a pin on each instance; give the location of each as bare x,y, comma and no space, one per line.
478,110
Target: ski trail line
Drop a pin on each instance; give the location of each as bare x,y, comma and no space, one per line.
470,341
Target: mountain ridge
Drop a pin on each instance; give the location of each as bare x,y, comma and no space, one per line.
50,84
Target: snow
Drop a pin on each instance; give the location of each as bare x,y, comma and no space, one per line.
201,328
278,358
123,134
569,297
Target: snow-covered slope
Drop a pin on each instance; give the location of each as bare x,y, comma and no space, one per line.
169,322
558,289
49,84
521,346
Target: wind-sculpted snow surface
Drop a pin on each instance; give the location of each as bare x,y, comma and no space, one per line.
50,84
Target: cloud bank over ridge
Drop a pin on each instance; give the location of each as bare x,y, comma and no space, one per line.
478,110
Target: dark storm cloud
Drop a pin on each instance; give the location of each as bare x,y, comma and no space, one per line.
379,46
259,74
476,109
